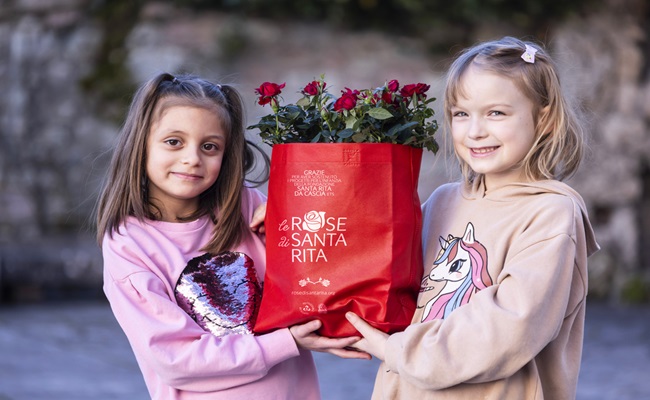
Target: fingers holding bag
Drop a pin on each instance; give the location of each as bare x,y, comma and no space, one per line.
306,337
374,340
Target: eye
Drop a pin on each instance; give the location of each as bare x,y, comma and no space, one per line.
459,114
495,113
173,142
210,147
456,266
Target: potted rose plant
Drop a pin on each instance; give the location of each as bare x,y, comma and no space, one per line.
387,114
343,216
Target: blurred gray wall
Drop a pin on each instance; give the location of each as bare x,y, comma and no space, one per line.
57,130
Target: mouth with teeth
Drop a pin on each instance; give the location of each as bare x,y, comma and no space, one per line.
483,150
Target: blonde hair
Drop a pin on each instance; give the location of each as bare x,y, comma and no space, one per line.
125,190
559,137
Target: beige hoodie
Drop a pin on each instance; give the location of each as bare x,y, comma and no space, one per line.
502,306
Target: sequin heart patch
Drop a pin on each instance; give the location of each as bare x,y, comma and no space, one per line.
221,293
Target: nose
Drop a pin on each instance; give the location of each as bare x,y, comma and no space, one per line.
191,156
476,129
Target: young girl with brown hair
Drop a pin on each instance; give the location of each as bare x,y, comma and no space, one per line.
182,268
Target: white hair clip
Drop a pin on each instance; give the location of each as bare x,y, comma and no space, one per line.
529,54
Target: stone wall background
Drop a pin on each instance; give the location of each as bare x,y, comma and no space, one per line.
57,132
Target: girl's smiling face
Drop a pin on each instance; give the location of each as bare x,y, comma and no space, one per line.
185,148
492,126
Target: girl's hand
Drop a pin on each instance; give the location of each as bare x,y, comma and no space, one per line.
257,222
374,340
305,337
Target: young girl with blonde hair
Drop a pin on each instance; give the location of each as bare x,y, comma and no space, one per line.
502,303
182,268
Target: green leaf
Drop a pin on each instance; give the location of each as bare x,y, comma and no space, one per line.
380,113
357,125
304,102
409,125
350,121
393,131
293,112
359,137
316,138
345,133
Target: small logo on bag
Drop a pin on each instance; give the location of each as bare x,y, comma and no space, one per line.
322,309
351,157
304,282
313,221
307,308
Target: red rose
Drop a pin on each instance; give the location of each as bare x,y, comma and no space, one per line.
350,92
422,88
347,101
268,91
414,88
393,86
387,97
314,88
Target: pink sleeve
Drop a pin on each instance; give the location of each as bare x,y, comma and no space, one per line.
168,342
251,199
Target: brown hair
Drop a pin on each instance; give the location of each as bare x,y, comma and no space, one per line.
125,190
558,148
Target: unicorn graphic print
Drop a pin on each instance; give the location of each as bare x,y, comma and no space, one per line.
461,269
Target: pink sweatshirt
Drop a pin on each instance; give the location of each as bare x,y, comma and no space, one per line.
178,359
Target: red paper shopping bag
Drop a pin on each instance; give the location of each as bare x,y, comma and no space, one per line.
343,233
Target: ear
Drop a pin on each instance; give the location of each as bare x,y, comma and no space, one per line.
544,121
443,243
468,236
